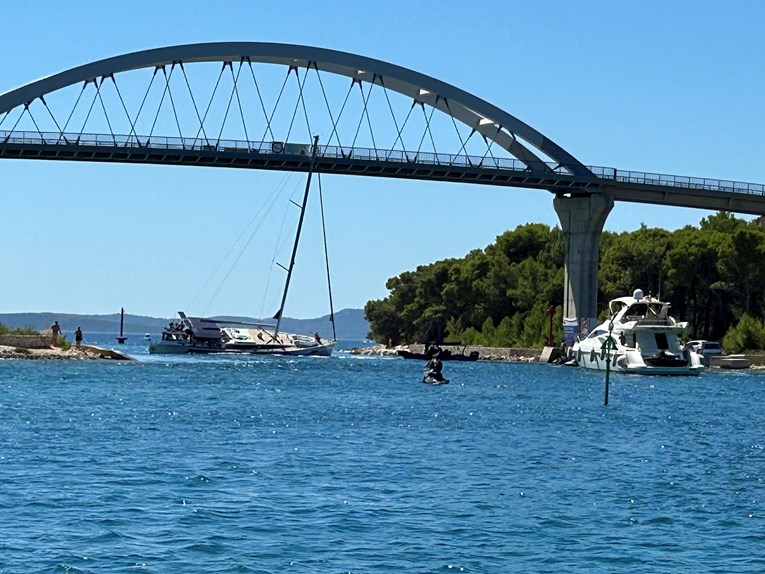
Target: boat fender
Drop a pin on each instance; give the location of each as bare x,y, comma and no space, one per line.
592,355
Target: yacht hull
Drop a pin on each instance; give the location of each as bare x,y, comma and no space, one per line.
324,350
264,342
205,336
641,338
168,348
619,361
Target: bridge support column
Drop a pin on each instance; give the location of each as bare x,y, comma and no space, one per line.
582,220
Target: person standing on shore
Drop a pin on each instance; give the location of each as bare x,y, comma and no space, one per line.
78,337
55,332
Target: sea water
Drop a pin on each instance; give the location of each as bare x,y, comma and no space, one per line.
351,464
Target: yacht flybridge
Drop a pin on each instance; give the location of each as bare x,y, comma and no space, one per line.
644,339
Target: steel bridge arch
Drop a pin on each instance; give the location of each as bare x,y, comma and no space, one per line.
493,123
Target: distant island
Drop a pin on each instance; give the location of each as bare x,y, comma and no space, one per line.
349,323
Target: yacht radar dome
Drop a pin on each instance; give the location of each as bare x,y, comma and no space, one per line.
638,294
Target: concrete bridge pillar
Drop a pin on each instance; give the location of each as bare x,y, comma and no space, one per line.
582,220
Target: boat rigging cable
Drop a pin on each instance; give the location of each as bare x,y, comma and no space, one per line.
326,259
281,240
280,312
262,213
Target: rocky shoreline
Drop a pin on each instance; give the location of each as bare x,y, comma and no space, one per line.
515,355
506,354
16,346
502,354
49,353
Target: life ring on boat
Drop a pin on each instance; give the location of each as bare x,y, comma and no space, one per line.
277,147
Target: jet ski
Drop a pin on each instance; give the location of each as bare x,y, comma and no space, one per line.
430,377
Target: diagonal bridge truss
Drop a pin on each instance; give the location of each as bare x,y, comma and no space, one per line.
258,105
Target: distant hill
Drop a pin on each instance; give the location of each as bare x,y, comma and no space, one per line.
349,323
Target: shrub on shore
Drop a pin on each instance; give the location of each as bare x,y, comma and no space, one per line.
747,335
6,330
63,343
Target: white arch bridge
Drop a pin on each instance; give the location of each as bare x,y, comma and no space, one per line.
258,105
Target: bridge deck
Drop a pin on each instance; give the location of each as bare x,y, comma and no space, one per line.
641,187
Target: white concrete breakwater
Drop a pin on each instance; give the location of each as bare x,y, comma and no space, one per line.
26,341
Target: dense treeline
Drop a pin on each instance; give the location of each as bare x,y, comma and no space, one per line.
713,275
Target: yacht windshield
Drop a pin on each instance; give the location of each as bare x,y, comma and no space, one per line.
647,310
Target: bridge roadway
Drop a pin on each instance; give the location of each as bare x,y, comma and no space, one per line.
617,185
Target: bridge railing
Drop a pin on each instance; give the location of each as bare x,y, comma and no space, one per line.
277,148
701,183
541,169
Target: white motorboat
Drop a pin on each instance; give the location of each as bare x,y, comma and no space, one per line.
174,341
194,335
644,339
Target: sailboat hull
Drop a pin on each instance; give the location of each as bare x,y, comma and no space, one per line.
204,335
199,335
262,341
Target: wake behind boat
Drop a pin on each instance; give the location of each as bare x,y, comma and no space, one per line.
432,378
644,339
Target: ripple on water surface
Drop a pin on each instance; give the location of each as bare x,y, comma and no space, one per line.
348,465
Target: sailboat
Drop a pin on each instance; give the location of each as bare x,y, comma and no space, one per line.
210,335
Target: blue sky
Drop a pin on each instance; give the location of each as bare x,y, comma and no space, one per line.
667,87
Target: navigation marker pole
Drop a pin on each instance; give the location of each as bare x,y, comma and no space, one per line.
608,346
121,339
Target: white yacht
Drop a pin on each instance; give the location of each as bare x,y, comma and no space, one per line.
645,340
173,341
207,335
210,335
193,335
